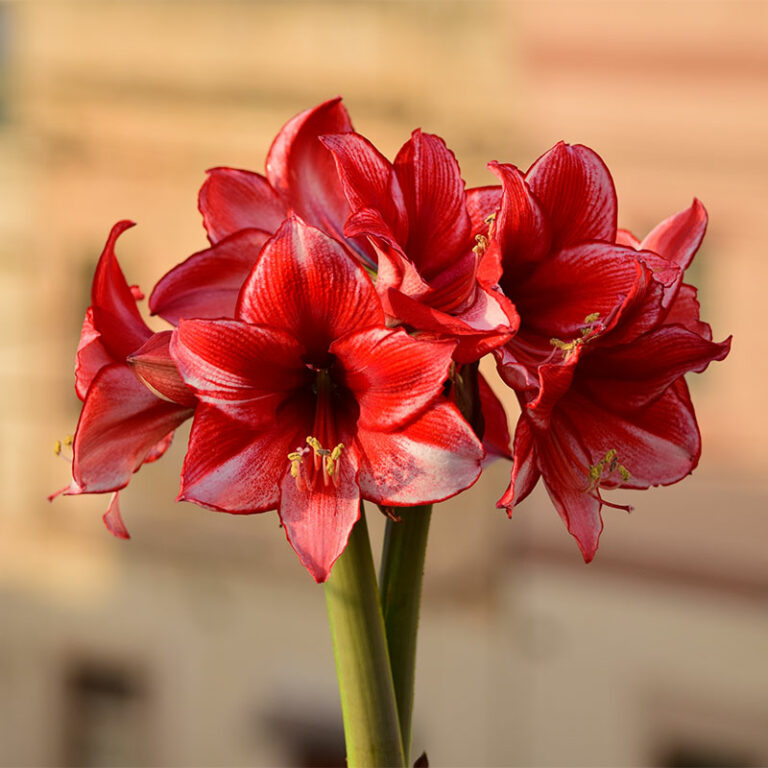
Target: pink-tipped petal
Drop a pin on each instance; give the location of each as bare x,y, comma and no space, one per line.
231,200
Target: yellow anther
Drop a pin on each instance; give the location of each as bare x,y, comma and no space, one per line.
60,445
295,458
588,332
332,460
607,466
314,443
482,244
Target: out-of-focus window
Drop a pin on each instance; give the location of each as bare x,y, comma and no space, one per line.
106,718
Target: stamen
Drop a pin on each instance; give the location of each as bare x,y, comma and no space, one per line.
589,331
482,244
324,461
604,468
60,445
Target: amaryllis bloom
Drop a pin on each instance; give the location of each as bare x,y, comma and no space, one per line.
242,209
308,402
429,235
606,337
123,423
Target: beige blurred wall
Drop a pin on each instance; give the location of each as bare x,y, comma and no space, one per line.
527,657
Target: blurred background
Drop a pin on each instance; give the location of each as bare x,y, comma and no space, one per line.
202,641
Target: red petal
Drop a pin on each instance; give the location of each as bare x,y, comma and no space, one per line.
120,424
113,520
207,284
369,181
626,238
440,229
159,449
521,232
91,356
496,433
525,472
318,521
153,364
577,194
678,238
486,324
243,370
555,381
564,465
431,459
575,283
115,315
233,468
636,374
392,376
231,200
307,285
685,311
658,445
304,172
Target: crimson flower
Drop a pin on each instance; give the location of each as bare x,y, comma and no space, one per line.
242,209
308,402
429,236
607,333
123,423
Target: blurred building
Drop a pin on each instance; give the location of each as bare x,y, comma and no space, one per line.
202,641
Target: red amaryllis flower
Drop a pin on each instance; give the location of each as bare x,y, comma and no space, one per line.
429,234
123,423
308,402
606,336
242,209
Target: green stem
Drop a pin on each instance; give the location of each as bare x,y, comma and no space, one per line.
402,569
368,706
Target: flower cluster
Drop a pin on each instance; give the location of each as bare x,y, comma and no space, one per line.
327,342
